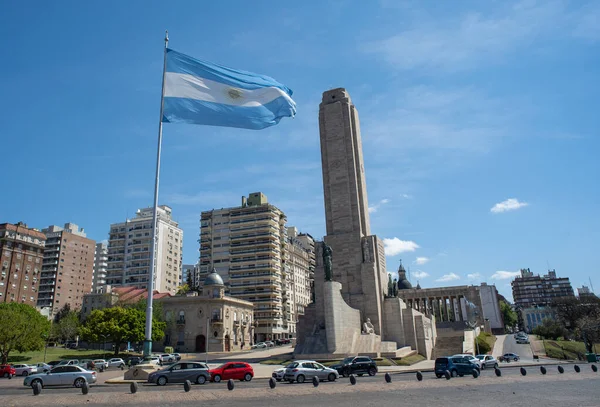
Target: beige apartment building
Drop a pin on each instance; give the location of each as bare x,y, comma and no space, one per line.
250,249
68,268
129,245
21,256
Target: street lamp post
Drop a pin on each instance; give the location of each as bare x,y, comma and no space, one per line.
104,344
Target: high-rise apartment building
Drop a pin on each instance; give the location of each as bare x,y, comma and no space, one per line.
129,247
68,268
250,248
531,290
100,266
21,258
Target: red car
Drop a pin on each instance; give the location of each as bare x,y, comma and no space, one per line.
232,370
7,371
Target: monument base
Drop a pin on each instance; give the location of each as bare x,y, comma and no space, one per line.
140,372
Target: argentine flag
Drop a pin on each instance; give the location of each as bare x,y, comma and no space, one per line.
200,92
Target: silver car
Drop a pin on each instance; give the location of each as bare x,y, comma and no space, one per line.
62,376
302,370
487,361
43,368
195,372
24,370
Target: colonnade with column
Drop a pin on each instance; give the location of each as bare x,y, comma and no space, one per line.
444,308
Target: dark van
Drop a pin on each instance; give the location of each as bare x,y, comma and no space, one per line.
457,366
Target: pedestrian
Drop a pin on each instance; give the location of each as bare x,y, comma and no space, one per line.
242,345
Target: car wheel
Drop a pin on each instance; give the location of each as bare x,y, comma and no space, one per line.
79,382
331,377
516,359
33,382
200,379
439,376
5,375
24,373
453,373
217,378
372,371
461,375
483,366
300,379
161,381
247,377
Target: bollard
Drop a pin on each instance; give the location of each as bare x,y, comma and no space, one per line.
577,368
523,371
85,388
352,379
543,369
37,388
498,372
315,381
447,375
561,369
230,384
10,376
475,373
419,376
101,368
272,383
133,387
122,367
594,368
388,378
187,386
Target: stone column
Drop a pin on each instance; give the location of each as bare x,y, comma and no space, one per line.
463,308
445,308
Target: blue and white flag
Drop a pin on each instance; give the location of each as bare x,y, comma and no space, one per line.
200,92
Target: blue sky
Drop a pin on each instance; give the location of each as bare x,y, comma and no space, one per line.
479,123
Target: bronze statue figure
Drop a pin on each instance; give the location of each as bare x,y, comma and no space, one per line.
390,285
395,287
327,253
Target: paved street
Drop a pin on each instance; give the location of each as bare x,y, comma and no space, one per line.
524,350
511,389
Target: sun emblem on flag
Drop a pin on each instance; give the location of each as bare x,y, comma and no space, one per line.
234,93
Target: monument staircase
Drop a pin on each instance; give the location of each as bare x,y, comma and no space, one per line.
448,346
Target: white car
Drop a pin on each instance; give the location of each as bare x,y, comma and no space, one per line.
43,368
101,362
259,345
68,362
270,344
25,370
278,374
116,362
470,358
151,360
167,358
61,376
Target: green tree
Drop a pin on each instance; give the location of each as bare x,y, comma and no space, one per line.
549,329
508,315
22,329
63,312
67,327
119,325
157,308
183,289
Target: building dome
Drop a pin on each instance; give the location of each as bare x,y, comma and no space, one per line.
213,278
403,283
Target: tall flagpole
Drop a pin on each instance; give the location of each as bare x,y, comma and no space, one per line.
148,340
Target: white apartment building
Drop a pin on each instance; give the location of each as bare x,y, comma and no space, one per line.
248,246
100,266
129,247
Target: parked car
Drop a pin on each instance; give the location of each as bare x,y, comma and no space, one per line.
87,364
232,370
54,362
166,358
7,371
116,362
133,360
259,345
24,370
177,356
307,369
101,363
487,361
68,362
278,374
470,358
507,357
62,376
285,341
43,367
195,372
356,365
151,360
457,366
270,344
522,340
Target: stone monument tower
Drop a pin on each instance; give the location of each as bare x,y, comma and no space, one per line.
358,257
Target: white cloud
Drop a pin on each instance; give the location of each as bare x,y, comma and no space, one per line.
421,260
420,274
396,246
374,208
449,277
504,275
510,204
473,276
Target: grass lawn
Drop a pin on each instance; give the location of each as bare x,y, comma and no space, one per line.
565,349
58,353
408,360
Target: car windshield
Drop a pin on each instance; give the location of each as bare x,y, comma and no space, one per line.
480,357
